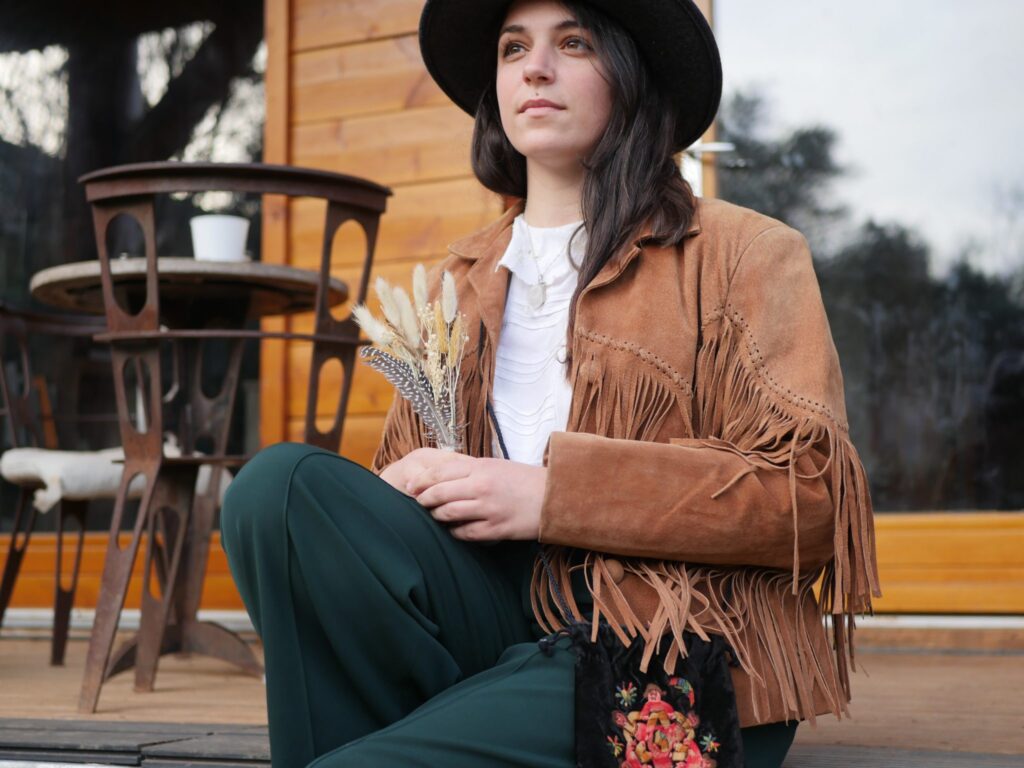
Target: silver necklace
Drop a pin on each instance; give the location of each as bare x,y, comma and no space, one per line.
537,294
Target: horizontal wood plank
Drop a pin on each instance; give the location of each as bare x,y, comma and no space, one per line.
35,584
982,586
360,440
951,540
951,562
319,23
371,393
414,145
364,78
420,222
954,594
940,574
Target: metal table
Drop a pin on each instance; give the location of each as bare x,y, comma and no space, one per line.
157,302
188,288
199,300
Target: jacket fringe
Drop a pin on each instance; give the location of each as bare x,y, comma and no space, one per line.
736,406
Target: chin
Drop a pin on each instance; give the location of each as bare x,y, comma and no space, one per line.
550,153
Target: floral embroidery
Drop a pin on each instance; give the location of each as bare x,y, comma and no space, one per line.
658,735
616,746
682,685
626,694
708,743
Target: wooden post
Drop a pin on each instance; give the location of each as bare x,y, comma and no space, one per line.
276,139
708,163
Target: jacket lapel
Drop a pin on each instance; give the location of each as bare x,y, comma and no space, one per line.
617,265
489,288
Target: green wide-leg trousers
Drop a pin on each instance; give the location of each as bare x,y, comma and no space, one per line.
387,641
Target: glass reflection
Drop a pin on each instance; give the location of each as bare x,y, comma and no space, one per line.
902,168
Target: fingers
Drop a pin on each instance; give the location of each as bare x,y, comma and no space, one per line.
479,530
399,473
446,492
438,472
457,513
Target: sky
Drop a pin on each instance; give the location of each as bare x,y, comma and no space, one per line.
924,94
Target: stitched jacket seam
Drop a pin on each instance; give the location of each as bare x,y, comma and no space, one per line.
644,355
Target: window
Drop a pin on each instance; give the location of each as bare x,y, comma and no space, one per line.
887,136
132,83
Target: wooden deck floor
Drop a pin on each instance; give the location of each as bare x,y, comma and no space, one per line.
967,704
188,690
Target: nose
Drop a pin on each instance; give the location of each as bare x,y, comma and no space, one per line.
538,67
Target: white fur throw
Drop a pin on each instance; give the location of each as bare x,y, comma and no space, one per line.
82,474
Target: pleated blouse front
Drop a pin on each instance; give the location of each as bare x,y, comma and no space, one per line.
531,396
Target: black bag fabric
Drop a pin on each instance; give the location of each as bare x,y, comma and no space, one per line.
631,719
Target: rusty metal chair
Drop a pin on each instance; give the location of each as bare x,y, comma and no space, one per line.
142,319
29,422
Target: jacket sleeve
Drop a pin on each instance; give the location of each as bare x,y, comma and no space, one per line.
769,477
693,501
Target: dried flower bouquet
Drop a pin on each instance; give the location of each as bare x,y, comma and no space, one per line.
418,348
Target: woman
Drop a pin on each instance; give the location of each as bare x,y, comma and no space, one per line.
657,372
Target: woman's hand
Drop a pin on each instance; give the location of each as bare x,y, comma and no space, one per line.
480,499
401,472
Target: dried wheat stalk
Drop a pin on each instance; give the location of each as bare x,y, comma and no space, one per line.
418,348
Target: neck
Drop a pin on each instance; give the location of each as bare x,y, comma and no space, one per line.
553,196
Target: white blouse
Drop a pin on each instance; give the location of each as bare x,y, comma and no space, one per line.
531,396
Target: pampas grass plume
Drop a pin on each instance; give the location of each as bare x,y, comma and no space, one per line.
375,329
387,302
449,301
409,324
455,343
419,287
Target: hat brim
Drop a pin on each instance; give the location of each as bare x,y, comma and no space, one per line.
458,43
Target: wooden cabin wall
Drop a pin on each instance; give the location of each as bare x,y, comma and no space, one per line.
347,91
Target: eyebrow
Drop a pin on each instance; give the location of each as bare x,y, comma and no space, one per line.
519,28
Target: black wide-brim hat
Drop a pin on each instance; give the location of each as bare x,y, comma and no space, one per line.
458,40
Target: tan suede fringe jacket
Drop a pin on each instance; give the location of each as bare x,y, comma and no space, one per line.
706,469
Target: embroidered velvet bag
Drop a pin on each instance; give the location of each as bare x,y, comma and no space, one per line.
626,718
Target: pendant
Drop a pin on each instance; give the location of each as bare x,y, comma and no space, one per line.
537,295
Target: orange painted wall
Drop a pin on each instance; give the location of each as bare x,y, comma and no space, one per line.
931,563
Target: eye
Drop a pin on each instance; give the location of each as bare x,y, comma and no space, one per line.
577,44
511,48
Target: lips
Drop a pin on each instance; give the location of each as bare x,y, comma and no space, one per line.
539,103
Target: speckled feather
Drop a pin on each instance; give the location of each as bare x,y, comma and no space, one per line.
411,384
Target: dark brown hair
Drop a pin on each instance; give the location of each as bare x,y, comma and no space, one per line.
631,177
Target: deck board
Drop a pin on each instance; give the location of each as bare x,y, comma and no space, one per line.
803,756
158,745
912,708
188,690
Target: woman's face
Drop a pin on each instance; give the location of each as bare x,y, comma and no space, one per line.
553,97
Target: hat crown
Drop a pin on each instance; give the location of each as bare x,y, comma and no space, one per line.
672,35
